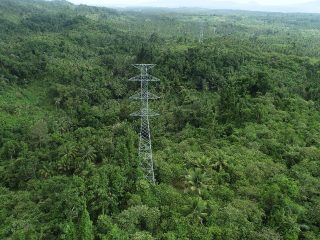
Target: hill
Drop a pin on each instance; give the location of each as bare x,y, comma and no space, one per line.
236,146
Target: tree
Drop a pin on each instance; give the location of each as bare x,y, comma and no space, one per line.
70,231
85,227
281,210
140,218
198,210
197,181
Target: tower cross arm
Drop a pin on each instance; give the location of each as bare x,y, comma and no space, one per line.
146,78
143,65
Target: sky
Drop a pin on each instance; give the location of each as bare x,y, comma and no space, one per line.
308,6
182,3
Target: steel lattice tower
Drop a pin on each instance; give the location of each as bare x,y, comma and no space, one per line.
143,95
201,33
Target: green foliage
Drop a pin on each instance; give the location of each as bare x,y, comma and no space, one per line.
236,146
139,218
85,227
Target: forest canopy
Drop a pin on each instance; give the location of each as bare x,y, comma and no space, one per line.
236,147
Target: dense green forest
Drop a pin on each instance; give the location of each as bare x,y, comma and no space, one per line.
236,147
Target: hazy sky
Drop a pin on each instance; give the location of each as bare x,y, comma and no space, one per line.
181,3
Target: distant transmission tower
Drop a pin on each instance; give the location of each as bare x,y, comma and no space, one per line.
143,95
201,32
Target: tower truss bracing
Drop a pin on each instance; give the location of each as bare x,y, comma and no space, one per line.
143,95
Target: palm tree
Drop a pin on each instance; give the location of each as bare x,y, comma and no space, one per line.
220,161
88,153
220,164
198,210
68,153
203,163
197,180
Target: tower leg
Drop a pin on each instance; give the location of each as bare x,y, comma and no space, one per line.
145,150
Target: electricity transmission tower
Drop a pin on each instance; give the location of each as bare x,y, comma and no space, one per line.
143,95
201,36
201,32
